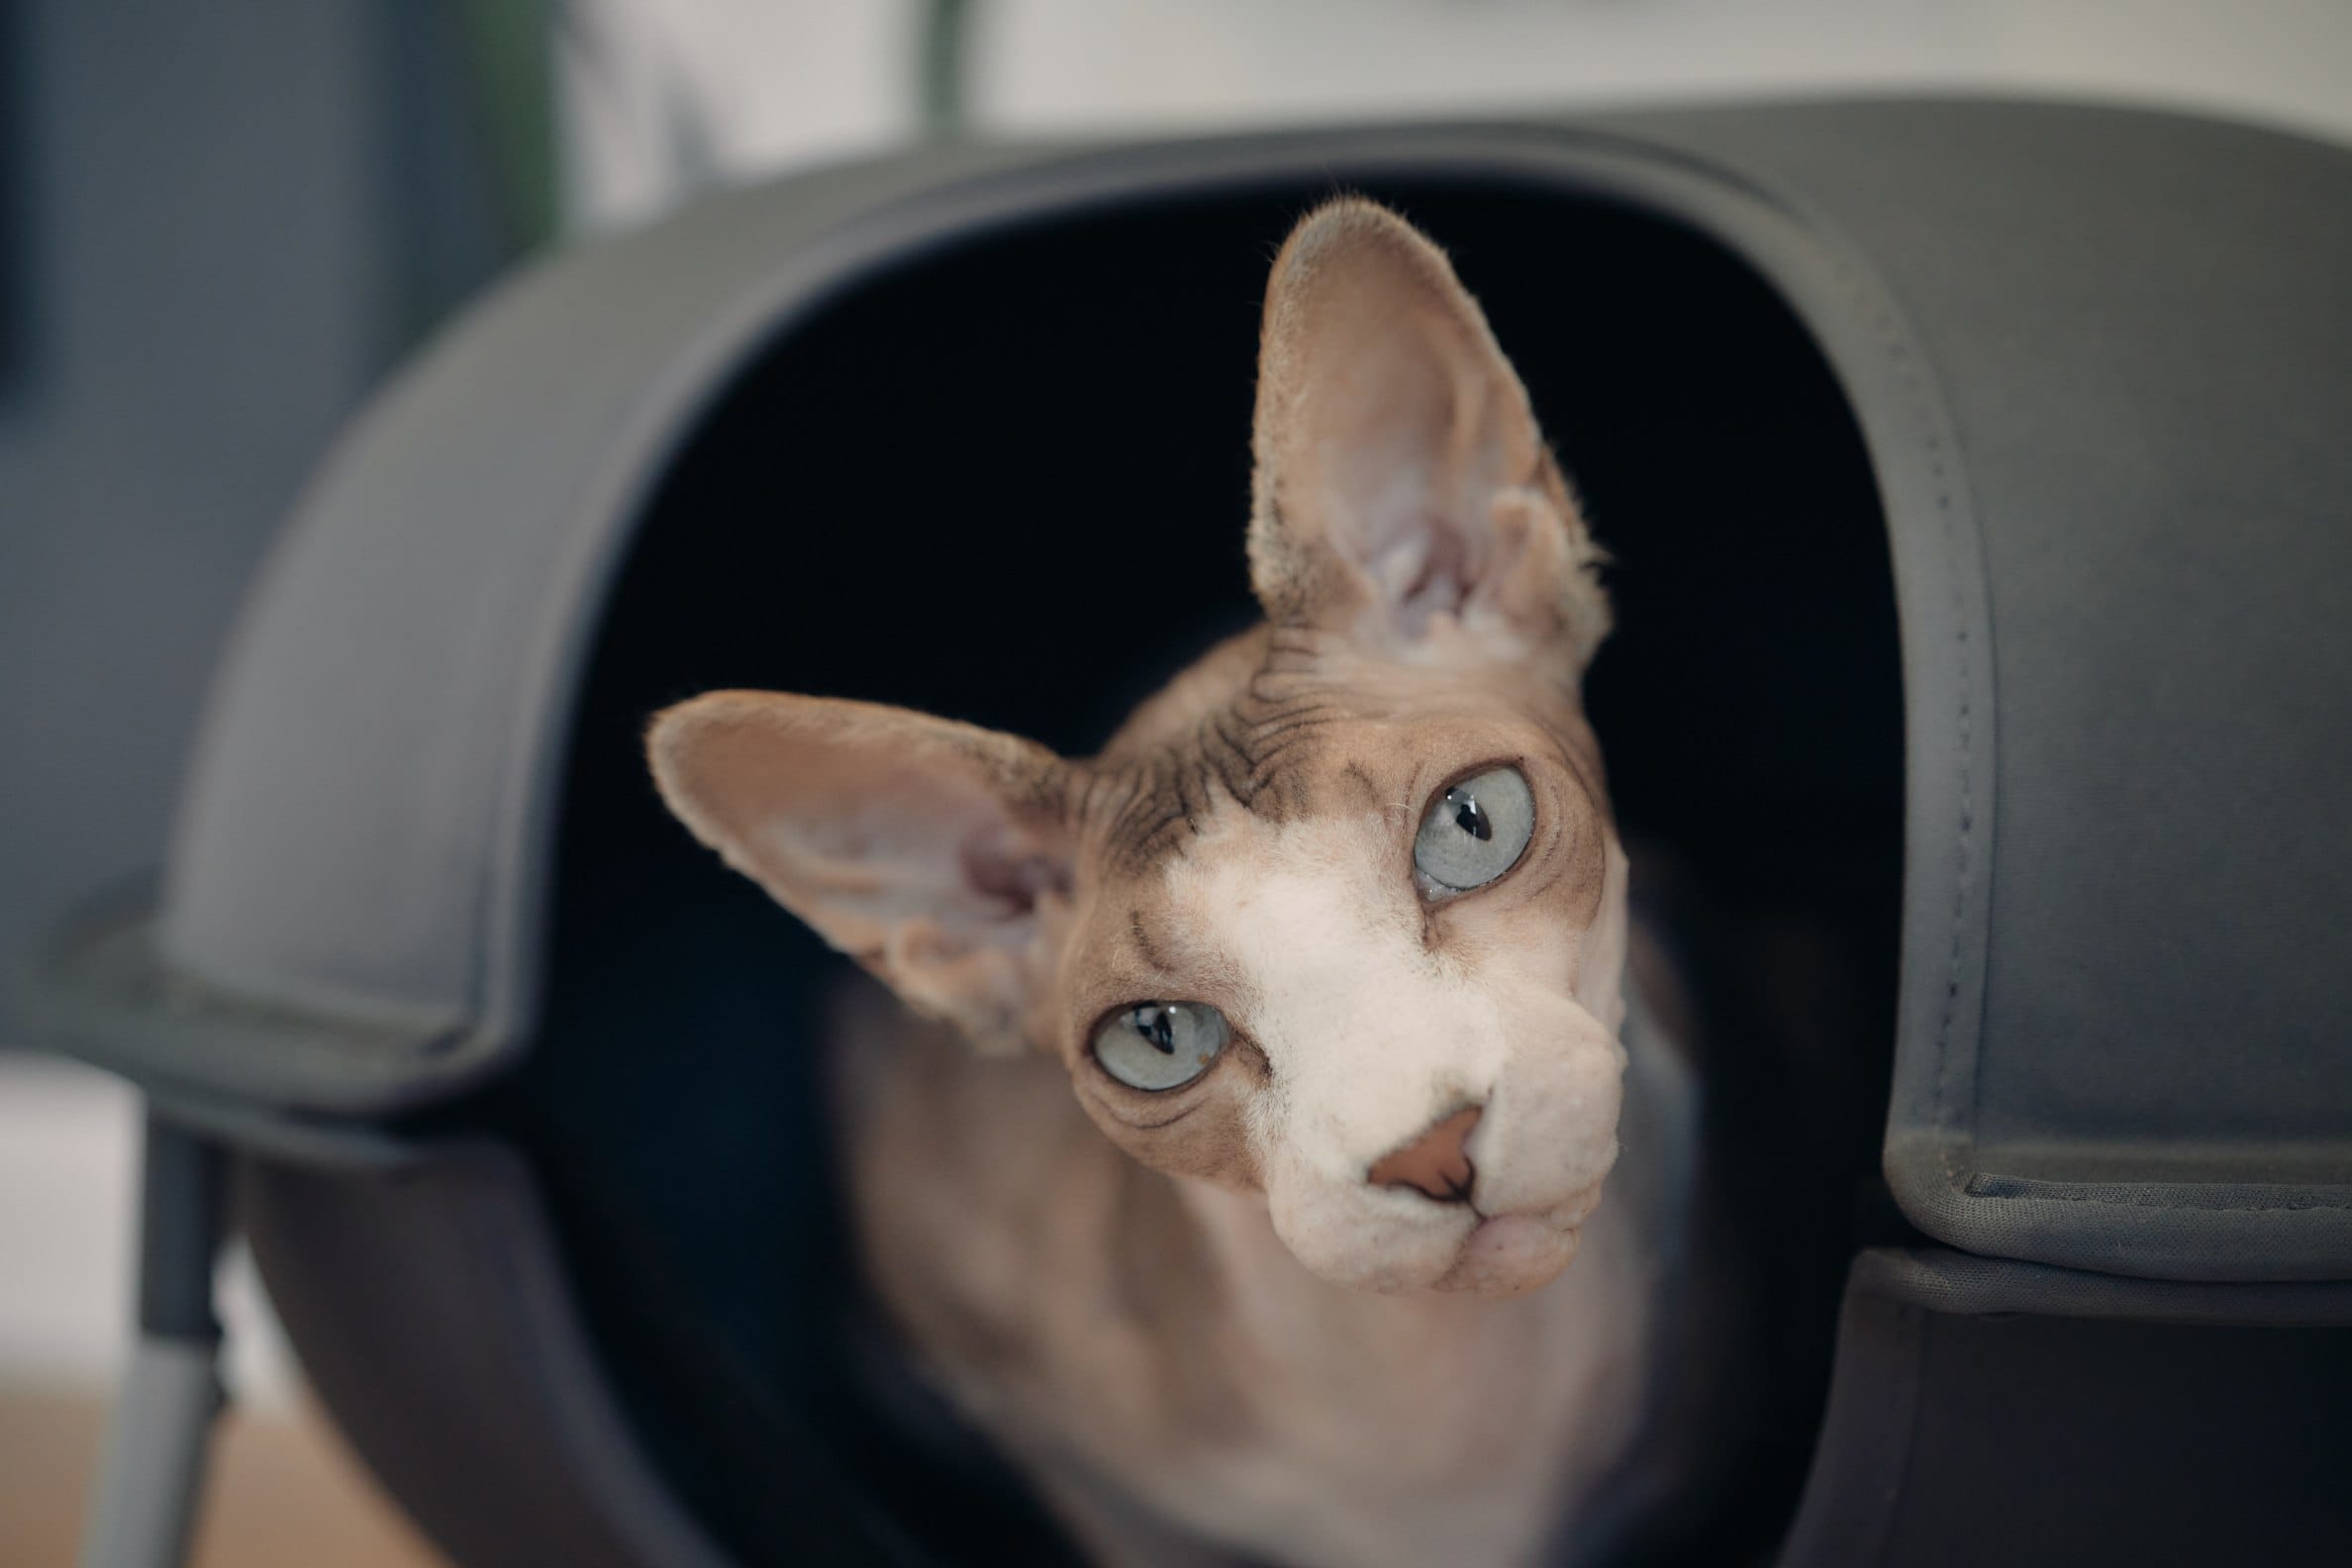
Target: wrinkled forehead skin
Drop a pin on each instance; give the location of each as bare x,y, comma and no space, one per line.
1251,848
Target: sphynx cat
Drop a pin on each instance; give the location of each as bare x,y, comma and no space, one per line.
1272,1206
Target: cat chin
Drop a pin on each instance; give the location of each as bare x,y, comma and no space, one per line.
1490,1258
1392,1244
1511,1255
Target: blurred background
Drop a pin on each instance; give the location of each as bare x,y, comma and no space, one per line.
222,220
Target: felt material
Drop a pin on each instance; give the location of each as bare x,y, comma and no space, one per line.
2120,1042
2098,359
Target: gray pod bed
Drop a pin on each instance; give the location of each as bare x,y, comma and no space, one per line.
1978,476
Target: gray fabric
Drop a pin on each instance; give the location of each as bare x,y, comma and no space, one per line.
2142,331
1956,1282
443,578
433,1313
1967,1425
1856,1487
2074,339
441,581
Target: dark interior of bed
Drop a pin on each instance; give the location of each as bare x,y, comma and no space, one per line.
1005,481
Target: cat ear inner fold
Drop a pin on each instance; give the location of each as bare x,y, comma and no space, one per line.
1404,495
922,847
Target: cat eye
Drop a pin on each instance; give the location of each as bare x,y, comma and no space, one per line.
1475,832
1156,1045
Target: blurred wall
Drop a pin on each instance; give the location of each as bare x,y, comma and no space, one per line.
690,90
222,221
1056,61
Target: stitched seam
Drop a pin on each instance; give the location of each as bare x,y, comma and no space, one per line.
2161,1202
1943,1105
1898,351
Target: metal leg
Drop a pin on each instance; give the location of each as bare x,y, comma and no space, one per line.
153,1472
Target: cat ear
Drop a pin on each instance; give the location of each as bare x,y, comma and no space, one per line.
923,848
1404,495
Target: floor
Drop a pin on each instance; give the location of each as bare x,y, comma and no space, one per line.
285,1492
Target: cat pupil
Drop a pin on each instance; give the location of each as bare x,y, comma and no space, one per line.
1159,1026
1470,816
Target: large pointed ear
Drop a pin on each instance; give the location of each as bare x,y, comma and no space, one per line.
921,847
1404,495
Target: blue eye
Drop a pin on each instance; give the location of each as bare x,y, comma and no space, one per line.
1475,832
1156,1045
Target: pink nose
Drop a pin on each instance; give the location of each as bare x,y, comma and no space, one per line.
1436,1164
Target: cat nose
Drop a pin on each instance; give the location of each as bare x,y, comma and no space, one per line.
1434,1165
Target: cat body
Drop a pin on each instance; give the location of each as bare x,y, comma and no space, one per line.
1261,1211
1143,1340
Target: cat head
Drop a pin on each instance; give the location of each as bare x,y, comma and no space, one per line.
1339,915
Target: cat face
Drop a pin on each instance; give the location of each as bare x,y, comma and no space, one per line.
1418,920
1340,915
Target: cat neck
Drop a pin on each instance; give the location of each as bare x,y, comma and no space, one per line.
1126,1329
1420,1343
1494,1416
